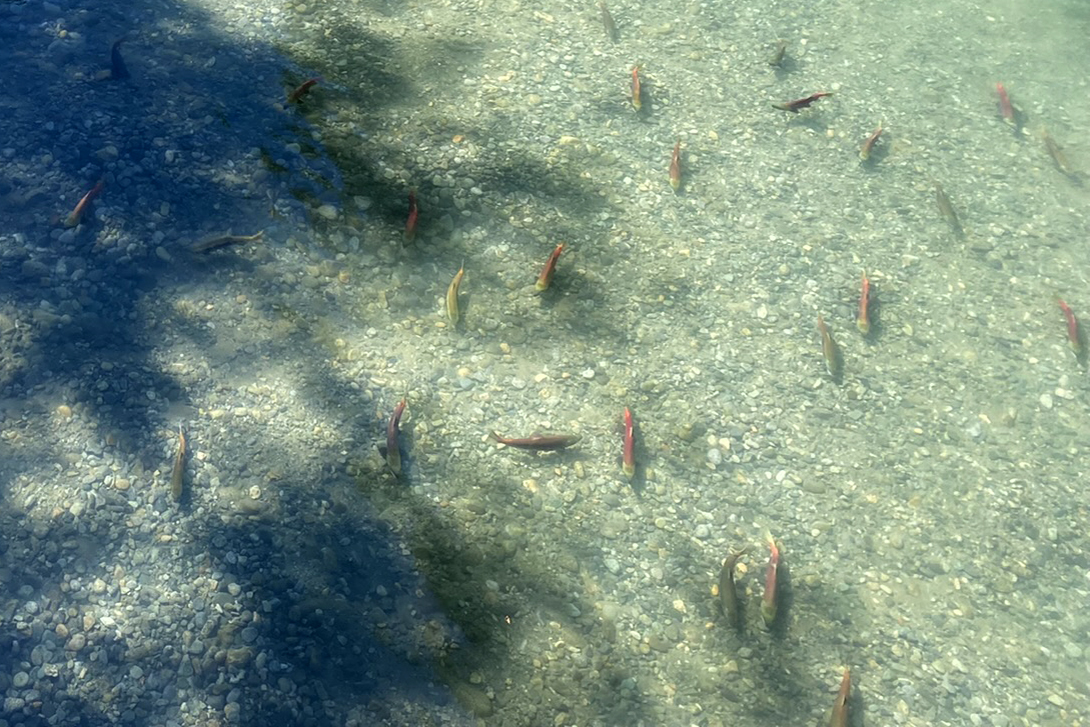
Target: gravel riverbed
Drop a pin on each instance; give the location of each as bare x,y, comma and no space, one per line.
929,505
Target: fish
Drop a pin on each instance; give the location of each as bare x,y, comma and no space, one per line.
546,278
862,320
410,222
834,362
118,70
218,241
868,145
302,90
76,214
393,447
946,208
453,314
637,96
629,461
1058,157
769,602
838,717
729,602
1006,109
778,55
607,22
1074,332
800,103
675,167
539,442
177,475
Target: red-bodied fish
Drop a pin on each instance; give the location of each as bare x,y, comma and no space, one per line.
769,604
1006,110
76,214
302,90
1074,335
393,447
629,465
410,223
862,320
800,103
838,717
546,278
675,167
637,99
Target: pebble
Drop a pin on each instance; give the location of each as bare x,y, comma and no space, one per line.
20,680
1046,401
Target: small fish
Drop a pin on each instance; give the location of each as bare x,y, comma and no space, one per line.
393,447
453,313
629,462
728,593
838,717
118,70
217,241
1006,110
947,210
675,167
546,278
539,442
1058,157
607,22
868,145
1074,332
637,96
76,214
800,103
177,475
778,55
769,603
410,222
834,362
862,320
302,90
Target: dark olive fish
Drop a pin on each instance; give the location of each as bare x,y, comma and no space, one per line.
218,241
540,442
946,208
607,21
393,447
776,60
1058,157
834,361
177,475
728,593
118,70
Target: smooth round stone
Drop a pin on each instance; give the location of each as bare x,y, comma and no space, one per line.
20,680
